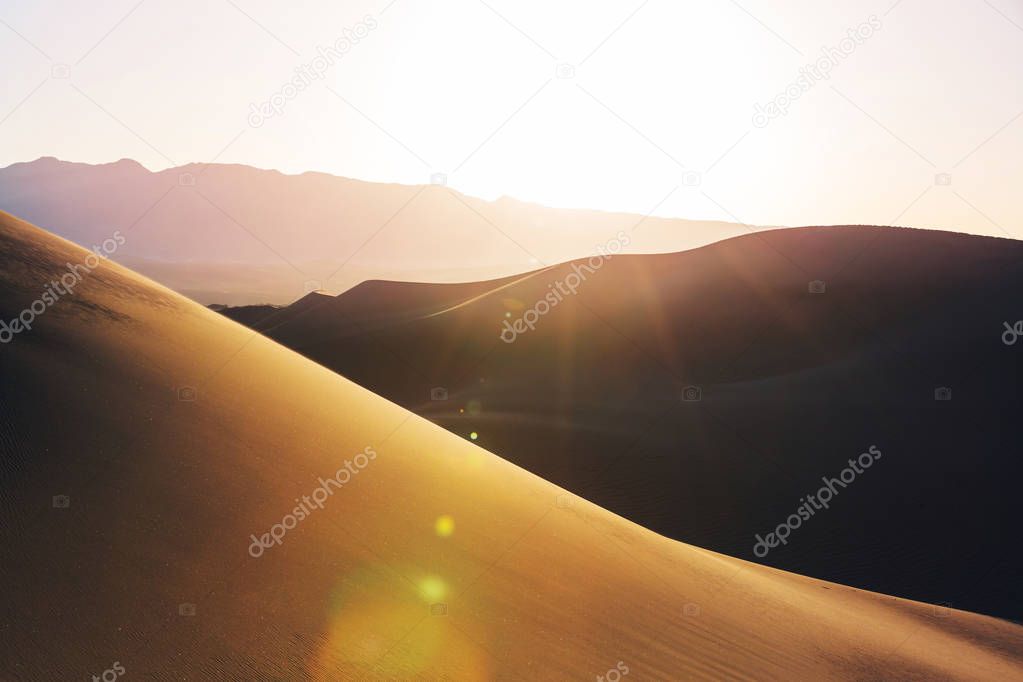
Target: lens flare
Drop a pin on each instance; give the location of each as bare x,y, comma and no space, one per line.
444,526
432,589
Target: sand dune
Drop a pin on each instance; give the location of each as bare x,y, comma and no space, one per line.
165,493
792,385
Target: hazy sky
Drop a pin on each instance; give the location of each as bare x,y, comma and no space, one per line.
658,95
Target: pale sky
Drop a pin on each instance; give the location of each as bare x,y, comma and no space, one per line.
661,94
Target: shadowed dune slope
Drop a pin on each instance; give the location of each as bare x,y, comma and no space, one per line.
164,493
792,384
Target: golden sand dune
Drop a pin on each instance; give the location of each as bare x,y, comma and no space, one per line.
571,371
177,435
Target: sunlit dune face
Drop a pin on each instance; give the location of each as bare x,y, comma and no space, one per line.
375,630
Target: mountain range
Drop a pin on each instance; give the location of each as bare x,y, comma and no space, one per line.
235,234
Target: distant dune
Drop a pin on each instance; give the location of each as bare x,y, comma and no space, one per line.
240,235
146,440
791,385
